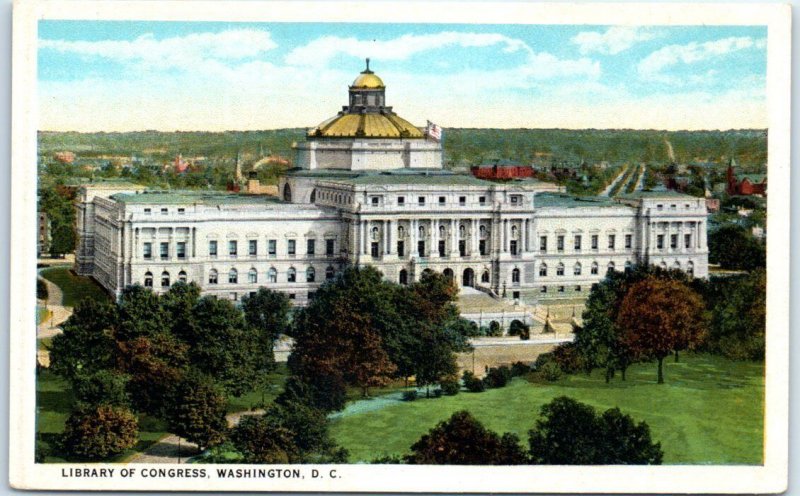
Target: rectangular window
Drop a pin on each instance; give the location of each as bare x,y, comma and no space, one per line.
673,207
252,247
180,250
442,200
513,247
577,289
515,295
628,241
544,289
292,247
292,296
329,247
233,248
374,200
148,211
181,211
561,289
482,200
164,251
252,277
421,200
272,247
577,242
212,248
543,243
560,243
660,241
421,249
310,246
612,241
147,251
462,248
595,241
462,200
401,200
482,246
441,248
659,207
687,240
234,296
164,211
673,241
374,250
401,249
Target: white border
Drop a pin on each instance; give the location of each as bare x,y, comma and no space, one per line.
772,477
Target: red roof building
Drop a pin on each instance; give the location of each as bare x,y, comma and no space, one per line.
501,169
745,184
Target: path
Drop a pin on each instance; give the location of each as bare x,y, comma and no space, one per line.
640,181
50,325
614,182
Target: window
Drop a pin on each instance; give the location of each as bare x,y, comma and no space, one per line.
212,248
628,241
660,241
544,289
403,279
442,200
291,275
482,200
560,243
515,295
462,200
272,275
485,276
595,241
543,243
252,276
165,279
543,270
687,240
516,199
311,295
329,247
234,296
233,276
612,241
628,266
462,248
611,266
164,211
595,269
561,289
577,242
311,246
291,247
401,249
686,206
212,276
164,251
181,211
374,250
311,274
578,289
421,248
180,250
560,269
401,201
148,211
182,276
441,248
690,269
673,241
421,200
515,276
272,247
292,296
148,279
482,246
673,207
330,272
659,207
252,247
577,269
374,201
513,247
147,251
233,248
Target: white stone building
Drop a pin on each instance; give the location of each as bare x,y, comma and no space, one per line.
370,189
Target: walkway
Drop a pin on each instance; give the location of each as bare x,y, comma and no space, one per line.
50,325
640,181
614,182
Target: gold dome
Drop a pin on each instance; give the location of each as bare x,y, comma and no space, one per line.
368,80
366,126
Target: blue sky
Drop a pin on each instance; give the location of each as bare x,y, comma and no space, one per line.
116,76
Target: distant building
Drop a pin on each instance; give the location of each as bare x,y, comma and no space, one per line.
501,169
43,234
712,204
745,184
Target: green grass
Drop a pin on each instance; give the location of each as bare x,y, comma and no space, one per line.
44,343
263,395
74,287
710,411
42,313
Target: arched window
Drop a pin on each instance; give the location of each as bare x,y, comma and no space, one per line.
403,277
313,196
462,231
213,276
182,276
577,269
148,279
628,266
401,232
663,265
485,276
595,268
513,232
291,275
374,233
442,231
287,192
421,231
233,276
560,269
252,276
677,265
310,274
482,230
165,279
330,272
543,270
611,266
272,275
515,276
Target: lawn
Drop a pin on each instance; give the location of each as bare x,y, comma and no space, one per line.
263,395
710,411
74,287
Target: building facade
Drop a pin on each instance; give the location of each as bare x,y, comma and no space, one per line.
370,189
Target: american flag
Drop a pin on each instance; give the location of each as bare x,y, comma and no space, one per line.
434,131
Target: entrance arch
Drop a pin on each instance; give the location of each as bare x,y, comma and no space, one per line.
448,273
468,278
404,277
287,192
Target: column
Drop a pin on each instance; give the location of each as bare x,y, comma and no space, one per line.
388,229
434,238
453,237
524,235
364,237
505,235
412,237
475,235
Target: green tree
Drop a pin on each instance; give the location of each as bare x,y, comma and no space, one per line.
86,345
195,410
260,440
738,308
267,313
572,433
103,387
140,314
178,306
733,247
463,440
99,431
658,317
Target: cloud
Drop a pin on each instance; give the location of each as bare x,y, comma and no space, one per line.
653,66
207,50
612,41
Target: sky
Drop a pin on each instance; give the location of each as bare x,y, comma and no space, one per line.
131,75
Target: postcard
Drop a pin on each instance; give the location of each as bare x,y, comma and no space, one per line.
400,247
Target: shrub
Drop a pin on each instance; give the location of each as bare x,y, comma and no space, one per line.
97,432
410,395
41,289
497,377
542,360
568,358
550,372
494,329
450,387
519,369
472,383
437,393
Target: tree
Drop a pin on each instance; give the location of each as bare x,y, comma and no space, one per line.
178,306
103,387
738,315
462,440
733,247
96,432
86,345
139,314
195,410
571,433
658,317
261,441
309,432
